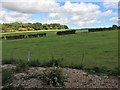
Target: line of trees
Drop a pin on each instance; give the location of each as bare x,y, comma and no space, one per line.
6,27
114,27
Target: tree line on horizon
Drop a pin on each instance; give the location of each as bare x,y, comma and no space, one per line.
113,27
6,27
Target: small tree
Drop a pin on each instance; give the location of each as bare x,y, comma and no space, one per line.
114,26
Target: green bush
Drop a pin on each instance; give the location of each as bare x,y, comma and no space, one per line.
9,61
22,65
81,66
35,63
117,71
96,70
6,76
54,77
54,62
114,72
103,70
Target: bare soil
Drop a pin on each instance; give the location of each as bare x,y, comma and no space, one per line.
74,78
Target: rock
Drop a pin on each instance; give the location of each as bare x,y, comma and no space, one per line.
20,76
8,66
84,74
35,71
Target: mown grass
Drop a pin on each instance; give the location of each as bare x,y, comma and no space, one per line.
99,48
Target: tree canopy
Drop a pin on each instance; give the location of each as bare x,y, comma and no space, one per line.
31,26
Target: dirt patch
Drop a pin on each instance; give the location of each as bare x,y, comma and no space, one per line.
74,78
79,78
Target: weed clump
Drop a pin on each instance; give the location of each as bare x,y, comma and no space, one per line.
6,76
54,62
54,77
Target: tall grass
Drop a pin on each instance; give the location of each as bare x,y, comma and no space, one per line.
23,64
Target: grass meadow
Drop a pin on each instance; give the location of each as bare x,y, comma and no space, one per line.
90,49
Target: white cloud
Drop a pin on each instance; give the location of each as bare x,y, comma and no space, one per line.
13,16
55,15
88,22
79,14
108,13
61,21
79,8
110,3
31,6
76,13
114,19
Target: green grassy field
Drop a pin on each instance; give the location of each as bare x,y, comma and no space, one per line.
98,48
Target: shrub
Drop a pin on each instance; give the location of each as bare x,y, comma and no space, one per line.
36,35
9,61
81,66
89,70
6,76
66,32
103,70
22,65
54,77
54,62
114,72
98,70
35,63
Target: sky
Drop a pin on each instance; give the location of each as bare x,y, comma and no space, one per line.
73,13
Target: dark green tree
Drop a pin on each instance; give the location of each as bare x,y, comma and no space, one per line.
37,26
114,27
